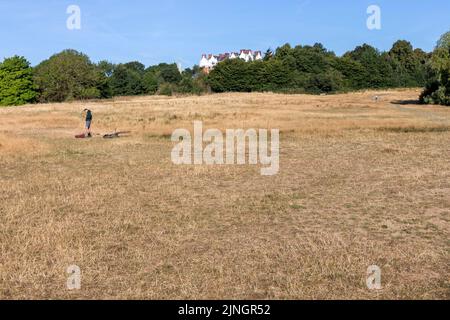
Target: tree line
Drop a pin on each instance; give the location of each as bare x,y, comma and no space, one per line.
71,75
314,69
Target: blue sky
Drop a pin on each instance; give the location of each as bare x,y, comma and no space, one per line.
180,31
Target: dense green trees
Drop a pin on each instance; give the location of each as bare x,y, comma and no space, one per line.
163,79
313,69
375,69
69,75
408,65
192,82
127,79
230,75
133,78
437,89
16,82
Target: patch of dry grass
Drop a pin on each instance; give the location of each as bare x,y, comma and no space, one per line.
360,183
12,145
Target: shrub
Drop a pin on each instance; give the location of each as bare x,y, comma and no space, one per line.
166,89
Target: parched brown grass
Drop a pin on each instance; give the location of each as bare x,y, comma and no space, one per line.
12,145
361,183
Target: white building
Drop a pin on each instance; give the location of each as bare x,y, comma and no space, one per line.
246,55
204,62
208,62
258,55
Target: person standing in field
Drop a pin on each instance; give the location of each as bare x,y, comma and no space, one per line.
88,122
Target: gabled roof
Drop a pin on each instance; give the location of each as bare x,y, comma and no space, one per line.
250,54
223,56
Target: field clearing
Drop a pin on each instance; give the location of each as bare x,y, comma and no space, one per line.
361,182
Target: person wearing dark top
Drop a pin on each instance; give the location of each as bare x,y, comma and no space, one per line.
88,122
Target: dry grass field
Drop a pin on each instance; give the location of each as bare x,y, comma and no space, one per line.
361,182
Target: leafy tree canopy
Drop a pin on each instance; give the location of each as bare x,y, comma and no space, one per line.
437,90
16,82
69,75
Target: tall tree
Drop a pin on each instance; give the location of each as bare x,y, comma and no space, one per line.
127,80
169,73
437,90
408,64
378,72
231,75
69,75
135,66
16,82
444,41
